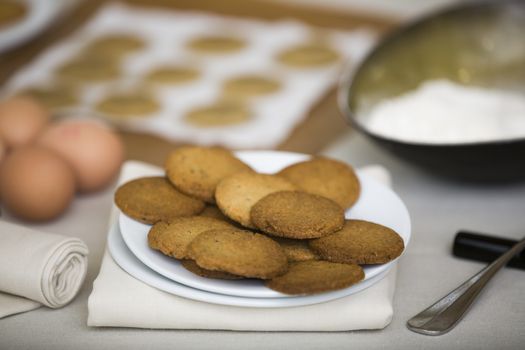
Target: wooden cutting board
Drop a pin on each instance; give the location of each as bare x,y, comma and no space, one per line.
324,122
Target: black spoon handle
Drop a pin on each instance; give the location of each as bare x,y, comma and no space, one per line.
486,248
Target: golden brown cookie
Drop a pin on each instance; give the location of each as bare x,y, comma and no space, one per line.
236,194
309,56
53,97
216,44
172,75
296,249
360,242
218,114
191,266
173,237
115,46
88,69
295,214
196,171
326,177
250,85
152,199
124,105
241,253
310,277
212,211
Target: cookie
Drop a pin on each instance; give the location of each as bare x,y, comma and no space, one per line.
88,69
250,85
115,46
128,105
238,252
212,211
326,177
236,194
53,97
216,44
311,55
172,75
173,237
360,242
196,171
296,249
218,114
191,266
295,214
152,199
311,277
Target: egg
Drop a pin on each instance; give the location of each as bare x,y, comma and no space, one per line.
94,152
21,120
36,183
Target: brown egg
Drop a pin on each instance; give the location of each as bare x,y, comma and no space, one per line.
36,183
21,120
94,152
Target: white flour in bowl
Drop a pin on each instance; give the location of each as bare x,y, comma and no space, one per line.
440,111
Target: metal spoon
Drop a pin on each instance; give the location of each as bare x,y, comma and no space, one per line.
442,316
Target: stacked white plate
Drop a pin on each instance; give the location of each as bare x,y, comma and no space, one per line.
127,243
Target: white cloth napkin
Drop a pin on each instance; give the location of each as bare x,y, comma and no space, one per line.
38,268
119,300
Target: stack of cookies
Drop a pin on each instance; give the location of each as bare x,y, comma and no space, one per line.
222,219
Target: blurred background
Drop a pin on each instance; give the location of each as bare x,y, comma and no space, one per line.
99,82
33,30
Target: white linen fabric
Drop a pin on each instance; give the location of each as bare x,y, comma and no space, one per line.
120,300
38,268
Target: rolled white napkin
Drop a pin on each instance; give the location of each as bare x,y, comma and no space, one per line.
43,267
120,300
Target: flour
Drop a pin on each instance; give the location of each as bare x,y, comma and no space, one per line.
440,111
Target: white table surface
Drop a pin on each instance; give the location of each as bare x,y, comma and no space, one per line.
427,271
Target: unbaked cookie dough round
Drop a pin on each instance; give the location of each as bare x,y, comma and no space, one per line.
116,45
216,44
172,75
308,56
53,97
250,85
11,11
129,104
218,114
88,69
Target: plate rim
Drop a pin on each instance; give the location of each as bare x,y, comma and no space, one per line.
126,261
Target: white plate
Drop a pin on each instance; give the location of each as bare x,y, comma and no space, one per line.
129,263
377,203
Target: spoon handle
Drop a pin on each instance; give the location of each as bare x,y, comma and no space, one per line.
442,316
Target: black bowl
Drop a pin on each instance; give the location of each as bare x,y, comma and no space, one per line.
462,44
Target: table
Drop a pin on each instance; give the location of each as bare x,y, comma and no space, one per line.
438,208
